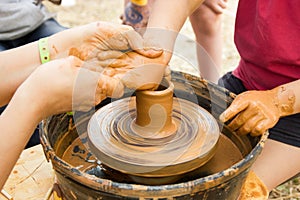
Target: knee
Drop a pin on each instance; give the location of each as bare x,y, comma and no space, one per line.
205,21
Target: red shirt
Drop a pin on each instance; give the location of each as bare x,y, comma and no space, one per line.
267,36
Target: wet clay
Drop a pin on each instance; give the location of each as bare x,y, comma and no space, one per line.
154,113
253,188
77,155
286,101
256,111
147,136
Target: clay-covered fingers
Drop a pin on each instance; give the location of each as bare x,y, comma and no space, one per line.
144,47
111,36
116,72
74,61
93,65
255,124
167,74
106,67
104,36
234,109
143,73
260,127
110,54
108,87
106,61
240,121
91,87
143,77
252,112
112,58
245,117
249,125
135,70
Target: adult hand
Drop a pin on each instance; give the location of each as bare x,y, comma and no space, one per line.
85,42
62,85
256,111
133,69
217,6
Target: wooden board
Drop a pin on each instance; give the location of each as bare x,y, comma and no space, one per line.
32,177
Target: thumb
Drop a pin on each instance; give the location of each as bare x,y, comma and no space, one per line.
138,44
76,62
108,87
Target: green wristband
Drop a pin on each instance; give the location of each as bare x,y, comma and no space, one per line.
44,50
70,113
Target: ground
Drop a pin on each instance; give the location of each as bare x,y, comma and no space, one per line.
85,11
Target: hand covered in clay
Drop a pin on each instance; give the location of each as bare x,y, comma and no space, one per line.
85,42
216,6
133,69
63,85
256,111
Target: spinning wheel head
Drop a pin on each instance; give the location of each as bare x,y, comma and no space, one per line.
153,135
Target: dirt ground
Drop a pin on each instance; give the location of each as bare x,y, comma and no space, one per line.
85,11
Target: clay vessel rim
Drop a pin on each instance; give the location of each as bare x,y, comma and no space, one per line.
166,91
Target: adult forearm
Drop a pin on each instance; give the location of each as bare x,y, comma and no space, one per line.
17,123
15,66
18,63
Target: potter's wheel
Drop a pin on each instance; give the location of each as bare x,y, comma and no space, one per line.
186,140
81,176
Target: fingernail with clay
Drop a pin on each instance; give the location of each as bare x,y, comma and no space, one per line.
116,88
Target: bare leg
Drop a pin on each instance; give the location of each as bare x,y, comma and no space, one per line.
206,24
277,163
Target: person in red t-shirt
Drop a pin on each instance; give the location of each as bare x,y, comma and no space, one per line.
267,38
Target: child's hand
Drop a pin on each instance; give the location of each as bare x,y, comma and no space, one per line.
256,111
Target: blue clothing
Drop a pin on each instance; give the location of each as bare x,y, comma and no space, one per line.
49,27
